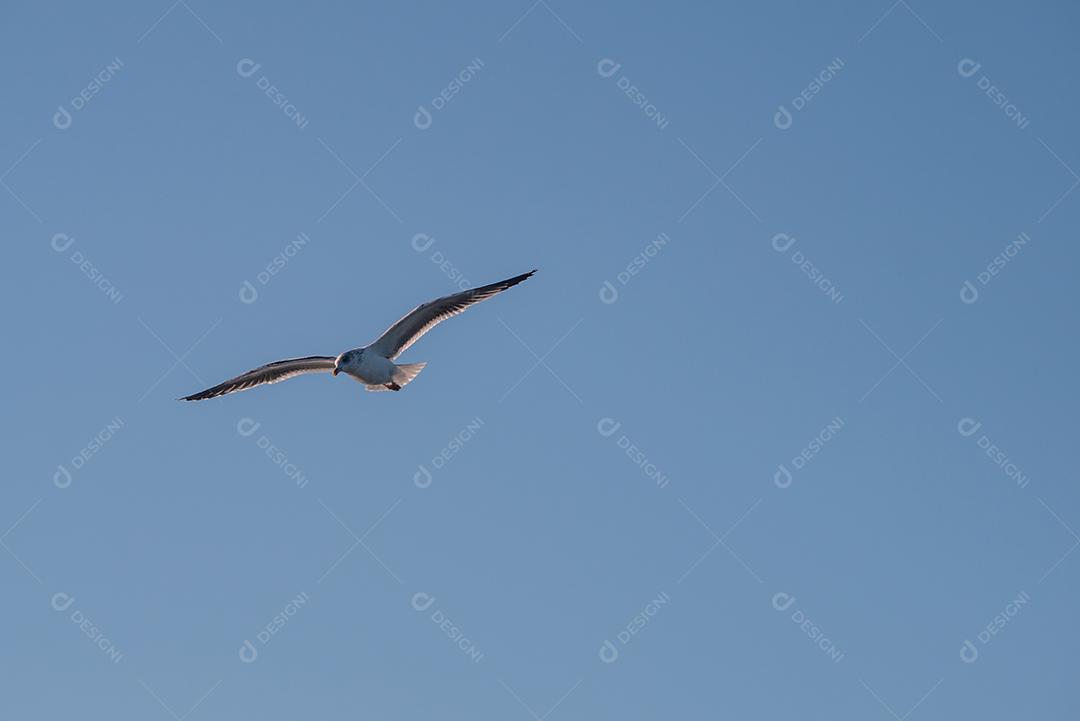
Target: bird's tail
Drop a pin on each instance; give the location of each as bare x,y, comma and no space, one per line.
402,375
407,372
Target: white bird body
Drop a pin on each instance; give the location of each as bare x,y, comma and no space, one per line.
376,372
373,365
368,368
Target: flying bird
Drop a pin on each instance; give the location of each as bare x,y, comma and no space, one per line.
373,365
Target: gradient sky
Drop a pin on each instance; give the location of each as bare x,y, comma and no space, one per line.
763,439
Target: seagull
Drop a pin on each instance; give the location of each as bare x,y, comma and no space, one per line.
373,364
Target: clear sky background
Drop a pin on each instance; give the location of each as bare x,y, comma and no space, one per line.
146,542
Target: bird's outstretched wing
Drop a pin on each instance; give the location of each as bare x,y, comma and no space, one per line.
269,373
426,316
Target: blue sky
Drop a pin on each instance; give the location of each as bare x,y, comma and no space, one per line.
782,428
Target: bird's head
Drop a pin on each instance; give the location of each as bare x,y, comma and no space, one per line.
344,360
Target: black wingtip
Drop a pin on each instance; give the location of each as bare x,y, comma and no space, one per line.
200,396
520,278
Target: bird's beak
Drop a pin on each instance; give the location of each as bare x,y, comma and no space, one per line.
336,371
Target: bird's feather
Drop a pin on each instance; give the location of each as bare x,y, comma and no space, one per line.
402,334
269,373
